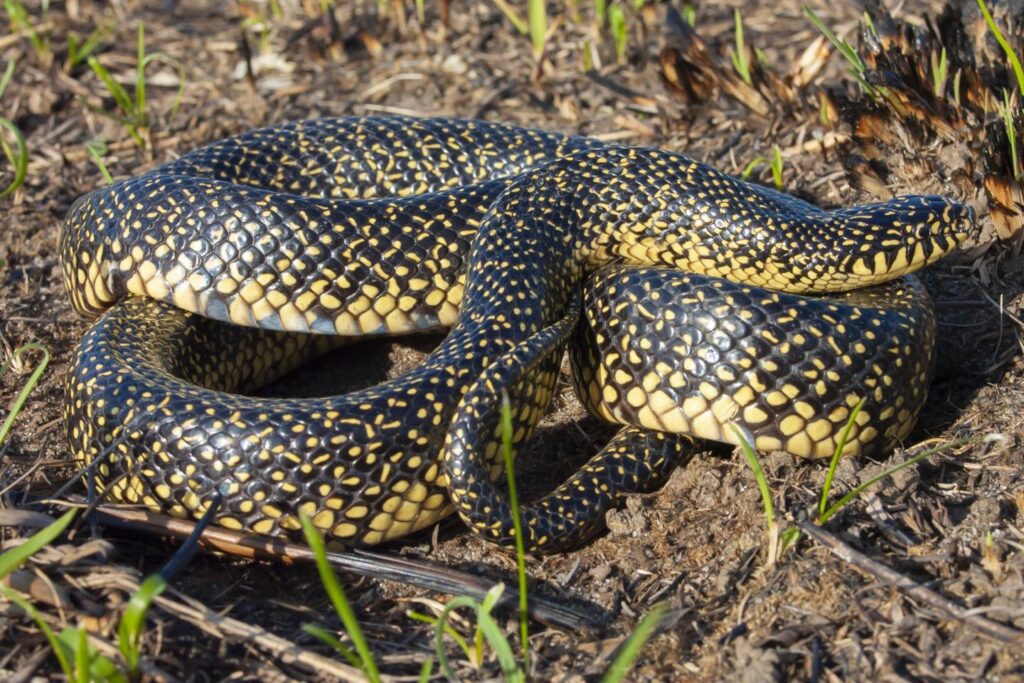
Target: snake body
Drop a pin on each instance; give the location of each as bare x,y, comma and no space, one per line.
209,273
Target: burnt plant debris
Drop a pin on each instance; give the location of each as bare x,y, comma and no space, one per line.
939,109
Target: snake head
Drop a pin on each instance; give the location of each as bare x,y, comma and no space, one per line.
869,244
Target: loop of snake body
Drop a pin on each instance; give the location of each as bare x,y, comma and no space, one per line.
683,287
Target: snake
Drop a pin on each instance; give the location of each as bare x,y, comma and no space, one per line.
695,305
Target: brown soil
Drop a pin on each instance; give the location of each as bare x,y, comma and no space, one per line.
952,523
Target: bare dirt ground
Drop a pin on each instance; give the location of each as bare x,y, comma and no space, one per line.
952,524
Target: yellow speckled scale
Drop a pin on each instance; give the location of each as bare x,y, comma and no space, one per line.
219,271
727,338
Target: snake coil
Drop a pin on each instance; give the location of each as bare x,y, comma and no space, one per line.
227,267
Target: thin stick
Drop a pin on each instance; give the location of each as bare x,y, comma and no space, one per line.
915,590
363,563
1003,310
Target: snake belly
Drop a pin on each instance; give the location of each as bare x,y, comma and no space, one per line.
372,226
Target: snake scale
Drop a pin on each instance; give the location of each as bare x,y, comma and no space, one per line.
683,288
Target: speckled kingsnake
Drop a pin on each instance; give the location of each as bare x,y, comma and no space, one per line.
366,226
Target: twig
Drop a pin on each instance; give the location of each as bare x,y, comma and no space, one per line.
360,562
638,100
28,668
1003,310
828,141
915,590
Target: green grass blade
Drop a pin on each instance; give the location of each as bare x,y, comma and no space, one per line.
81,650
1011,55
844,47
103,670
140,75
78,52
90,665
73,56
499,643
751,167
180,95
788,537
129,631
513,496
182,81
17,14
617,25
116,90
869,22
537,14
513,16
630,650
15,557
759,475
478,646
55,645
588,58
6,78
449,631
840,445
690,15
68,644
940,73
440,629
426,670
857,490
771,526
739,55
857,67
19,555
96,149
332,640
1006,112
777,167
18,159
492,596
93,41
19,17
33,379
339,600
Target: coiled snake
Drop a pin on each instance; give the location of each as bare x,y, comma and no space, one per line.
691,320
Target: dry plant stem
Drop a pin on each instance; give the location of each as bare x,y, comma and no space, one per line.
33,662
363,563
846,553
830,140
